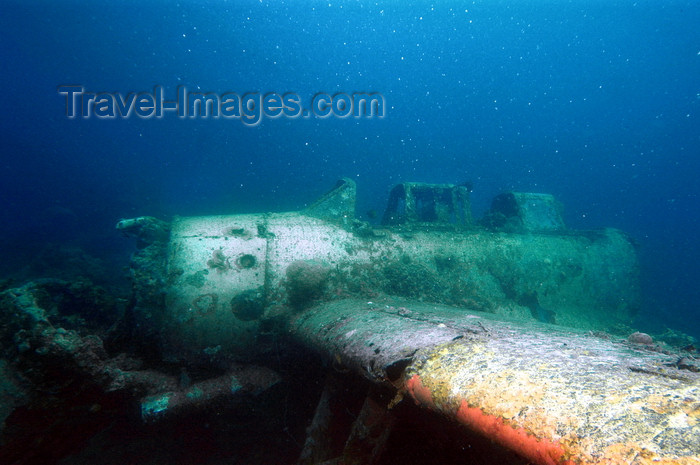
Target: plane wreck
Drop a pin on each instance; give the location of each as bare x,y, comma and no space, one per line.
454,315
503,340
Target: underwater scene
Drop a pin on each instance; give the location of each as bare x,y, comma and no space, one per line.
350,233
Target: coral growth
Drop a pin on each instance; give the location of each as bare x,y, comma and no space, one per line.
219,261
640,338
306,280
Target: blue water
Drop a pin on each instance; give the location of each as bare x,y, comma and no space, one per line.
596,102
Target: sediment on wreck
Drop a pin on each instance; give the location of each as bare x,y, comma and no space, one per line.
551,394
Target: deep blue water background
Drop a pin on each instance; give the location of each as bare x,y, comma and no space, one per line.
596,102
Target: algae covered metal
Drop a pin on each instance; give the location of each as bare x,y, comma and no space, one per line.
553,395
224,276
452,313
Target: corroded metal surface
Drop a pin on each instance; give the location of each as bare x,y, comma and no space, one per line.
205,286
553,395
226,273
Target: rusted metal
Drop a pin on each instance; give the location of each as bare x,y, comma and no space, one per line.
551,394
204,286
211,293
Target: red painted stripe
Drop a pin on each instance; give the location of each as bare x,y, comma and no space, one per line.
540,450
